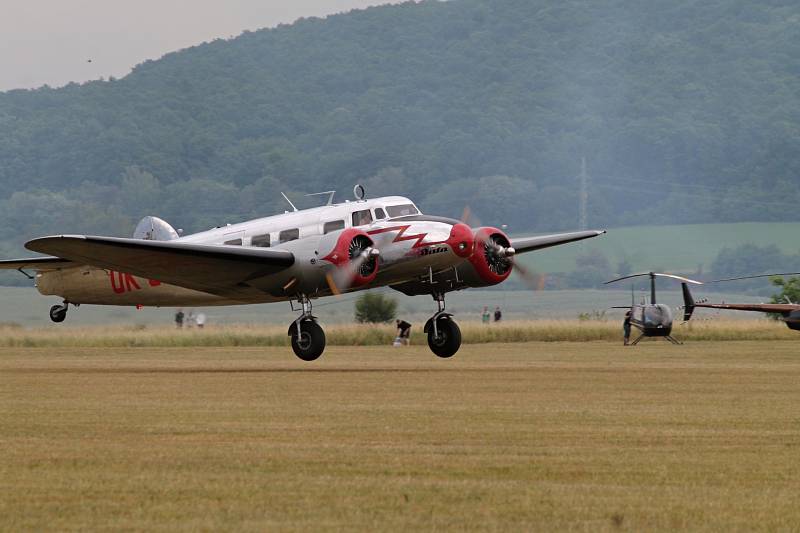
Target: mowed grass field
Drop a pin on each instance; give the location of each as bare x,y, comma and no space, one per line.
531,436
507,331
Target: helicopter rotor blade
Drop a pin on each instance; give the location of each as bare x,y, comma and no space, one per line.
654,275
753,277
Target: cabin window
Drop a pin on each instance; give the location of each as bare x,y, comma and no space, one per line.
333,225
260,240
379,213
234,242
362,218
402,210
289,235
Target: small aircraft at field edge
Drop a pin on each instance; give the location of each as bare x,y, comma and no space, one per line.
655,319
789,312
296,256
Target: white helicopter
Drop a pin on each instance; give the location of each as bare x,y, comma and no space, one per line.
296,256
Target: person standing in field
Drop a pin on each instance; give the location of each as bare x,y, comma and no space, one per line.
498,314
179,319
626,328
200,319
190,319
485,316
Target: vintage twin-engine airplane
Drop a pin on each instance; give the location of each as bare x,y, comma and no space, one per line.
295,257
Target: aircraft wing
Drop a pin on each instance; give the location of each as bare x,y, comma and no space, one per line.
216,269
763,308
529,244
36,263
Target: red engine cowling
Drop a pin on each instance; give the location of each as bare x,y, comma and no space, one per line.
489,263
351,254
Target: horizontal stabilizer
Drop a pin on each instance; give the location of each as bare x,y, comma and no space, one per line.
529,244
214,269
36,263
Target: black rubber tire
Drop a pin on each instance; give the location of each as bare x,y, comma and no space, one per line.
311,343
449,340
58,313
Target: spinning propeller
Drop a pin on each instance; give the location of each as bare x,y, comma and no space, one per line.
361,264
500,255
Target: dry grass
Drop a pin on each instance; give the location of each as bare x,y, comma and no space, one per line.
372,335
538,436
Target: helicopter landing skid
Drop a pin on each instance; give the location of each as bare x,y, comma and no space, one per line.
670,338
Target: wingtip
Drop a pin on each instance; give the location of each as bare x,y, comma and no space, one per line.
34,244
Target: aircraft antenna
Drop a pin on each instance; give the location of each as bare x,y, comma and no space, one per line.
290,202
330,197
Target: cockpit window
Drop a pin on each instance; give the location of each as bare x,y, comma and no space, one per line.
362,218
379,213
657,315
402,210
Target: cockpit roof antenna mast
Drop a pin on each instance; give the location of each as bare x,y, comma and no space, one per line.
290,202
330,197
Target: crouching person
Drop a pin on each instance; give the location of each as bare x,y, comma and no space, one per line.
403,337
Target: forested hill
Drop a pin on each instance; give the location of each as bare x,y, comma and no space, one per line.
685,111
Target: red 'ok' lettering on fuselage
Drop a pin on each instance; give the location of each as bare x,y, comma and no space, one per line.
122,282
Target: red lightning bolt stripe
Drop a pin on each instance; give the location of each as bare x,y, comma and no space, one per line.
401,236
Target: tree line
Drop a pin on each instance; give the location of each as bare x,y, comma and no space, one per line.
685,112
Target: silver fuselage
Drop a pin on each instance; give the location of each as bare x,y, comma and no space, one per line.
411,247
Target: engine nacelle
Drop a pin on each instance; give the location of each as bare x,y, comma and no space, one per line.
491,261
353,254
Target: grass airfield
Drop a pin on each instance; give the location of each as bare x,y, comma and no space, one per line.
535,436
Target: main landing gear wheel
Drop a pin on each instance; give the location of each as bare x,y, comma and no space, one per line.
58,313
444,340
309,344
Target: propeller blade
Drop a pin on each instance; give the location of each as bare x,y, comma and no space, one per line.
341,279
465,214
534,281
332,285
469,218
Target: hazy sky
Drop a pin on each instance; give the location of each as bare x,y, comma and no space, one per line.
52,41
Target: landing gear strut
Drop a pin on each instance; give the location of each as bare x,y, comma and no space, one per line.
308,338
444,335
59,312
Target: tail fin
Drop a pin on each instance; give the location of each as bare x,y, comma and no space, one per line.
688,302
154,229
